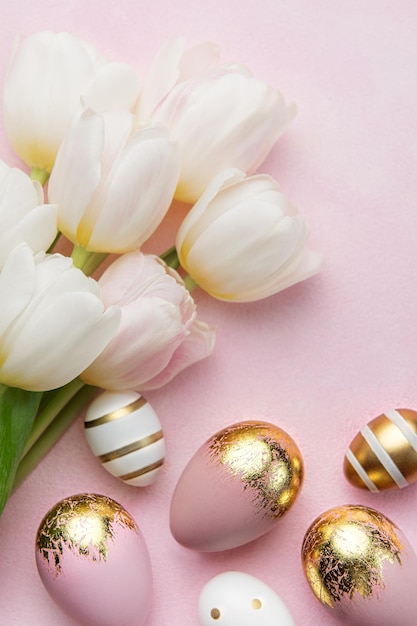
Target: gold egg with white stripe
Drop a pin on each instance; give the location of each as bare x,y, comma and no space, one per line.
383,455
125,434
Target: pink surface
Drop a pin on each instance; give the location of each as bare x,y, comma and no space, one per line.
319,359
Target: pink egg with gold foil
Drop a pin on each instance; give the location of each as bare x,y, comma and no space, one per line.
236,487
94,563
361,567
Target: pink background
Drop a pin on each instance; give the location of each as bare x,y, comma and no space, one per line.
319,359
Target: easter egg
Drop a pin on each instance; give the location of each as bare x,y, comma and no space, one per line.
383,455
235,487
94,563
361,567
125,434
238,599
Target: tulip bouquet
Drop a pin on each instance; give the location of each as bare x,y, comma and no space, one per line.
111,154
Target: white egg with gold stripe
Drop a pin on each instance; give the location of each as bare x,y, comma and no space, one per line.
125,434
383,455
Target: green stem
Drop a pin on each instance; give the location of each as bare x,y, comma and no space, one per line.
171,257
55,241
190,284
49,412
86,260
39,174
57,428
3,389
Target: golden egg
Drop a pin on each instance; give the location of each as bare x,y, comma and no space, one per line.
383,455
361,567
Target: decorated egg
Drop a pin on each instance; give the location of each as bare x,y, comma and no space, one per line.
125,434
235,487
361,567
238,599
93,561
383,455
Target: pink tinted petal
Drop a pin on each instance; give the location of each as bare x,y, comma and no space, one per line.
198,345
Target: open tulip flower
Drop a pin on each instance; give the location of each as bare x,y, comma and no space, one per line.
243,240
221,118
47,75
23,216
53,322
113,184
158,335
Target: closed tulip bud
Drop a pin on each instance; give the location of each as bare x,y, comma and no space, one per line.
113,184
48,73
221,118
243,240
158,335
53,323
23,216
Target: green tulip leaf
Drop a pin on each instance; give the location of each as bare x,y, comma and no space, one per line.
18,410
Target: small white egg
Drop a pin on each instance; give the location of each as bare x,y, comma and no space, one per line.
125,434
238,599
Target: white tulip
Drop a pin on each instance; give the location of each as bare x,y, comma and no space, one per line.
52,321
113,184
48,73
221,118
173,64
23,216
243,241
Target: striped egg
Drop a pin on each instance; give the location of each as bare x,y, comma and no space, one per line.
383,455
125,434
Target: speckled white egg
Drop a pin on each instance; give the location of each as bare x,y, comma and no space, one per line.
94,563
239,599
125,434
236,487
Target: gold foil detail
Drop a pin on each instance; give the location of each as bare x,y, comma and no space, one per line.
344,552
84,524
265,458
256,604
215,613
131,447
116,415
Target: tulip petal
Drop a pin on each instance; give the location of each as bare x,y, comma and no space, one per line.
171,65
144,353
197,345
74,179
71,347
17,280
243,118
38,228
252,244
139,194
18,189
226,177
114,86
46,76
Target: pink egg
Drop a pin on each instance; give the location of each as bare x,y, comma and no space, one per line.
94,563
236,487
361,567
